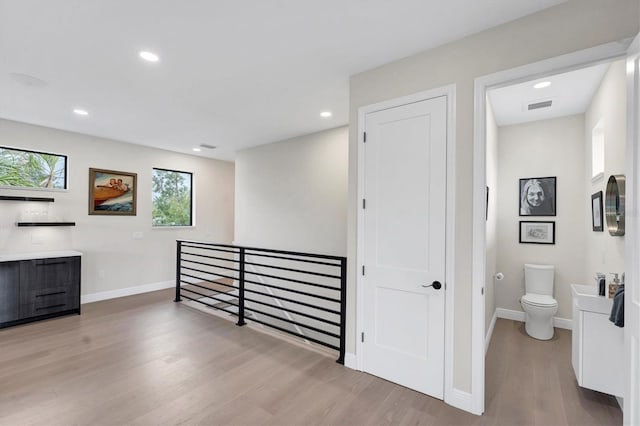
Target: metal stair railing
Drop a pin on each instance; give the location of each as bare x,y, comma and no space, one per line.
309,290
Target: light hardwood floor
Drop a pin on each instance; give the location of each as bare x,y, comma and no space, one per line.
146,360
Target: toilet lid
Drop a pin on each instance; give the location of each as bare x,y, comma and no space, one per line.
539,300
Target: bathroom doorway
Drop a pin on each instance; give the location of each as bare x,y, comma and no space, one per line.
566,130
566,134
484,204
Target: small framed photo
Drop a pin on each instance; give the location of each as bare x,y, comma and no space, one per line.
596,212
538,196
537,232
112,193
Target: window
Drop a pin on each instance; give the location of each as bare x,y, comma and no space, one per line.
172,198
30,169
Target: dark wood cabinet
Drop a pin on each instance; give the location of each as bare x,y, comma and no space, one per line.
39,288
9,291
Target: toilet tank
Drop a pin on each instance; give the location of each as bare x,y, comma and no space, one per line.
538,279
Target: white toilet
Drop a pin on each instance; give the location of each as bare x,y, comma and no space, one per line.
538,302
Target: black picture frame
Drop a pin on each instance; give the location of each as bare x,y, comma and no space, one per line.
597,222
537,196
537,232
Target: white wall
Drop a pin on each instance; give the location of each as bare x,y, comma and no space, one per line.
571,26
605,253
492,217
292,195
539,149
106,241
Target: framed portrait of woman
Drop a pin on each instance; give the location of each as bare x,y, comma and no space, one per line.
538,196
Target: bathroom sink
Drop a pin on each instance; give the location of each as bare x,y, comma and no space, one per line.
586,299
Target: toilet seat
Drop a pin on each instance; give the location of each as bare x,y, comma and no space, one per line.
539,300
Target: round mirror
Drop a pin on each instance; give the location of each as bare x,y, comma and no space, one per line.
614,204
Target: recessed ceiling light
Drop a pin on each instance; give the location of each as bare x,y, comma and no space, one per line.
326,114
197,149
542,85
149,56
80,111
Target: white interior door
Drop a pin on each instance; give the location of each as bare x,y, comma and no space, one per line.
632,243
404,211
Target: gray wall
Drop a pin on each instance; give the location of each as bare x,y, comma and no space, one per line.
112,259
539,149
492,217
292,195
605,253
571,26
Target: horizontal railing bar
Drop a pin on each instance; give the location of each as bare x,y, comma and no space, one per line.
294,270
208,264
209,288
293,311
294,259
208,297
293,253
209,305
210,257
300,324
311,339
204,272
293,301
304,293
211,248
291,280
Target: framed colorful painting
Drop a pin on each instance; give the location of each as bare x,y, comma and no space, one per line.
112,192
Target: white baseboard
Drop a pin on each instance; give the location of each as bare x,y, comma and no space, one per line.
510,314
487,338
460,399
129,291
565,323
351,361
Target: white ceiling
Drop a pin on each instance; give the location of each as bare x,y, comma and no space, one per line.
232,73
570,93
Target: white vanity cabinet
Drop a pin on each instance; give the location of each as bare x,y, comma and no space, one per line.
597,345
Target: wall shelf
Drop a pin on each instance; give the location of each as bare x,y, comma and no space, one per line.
14,198
46,223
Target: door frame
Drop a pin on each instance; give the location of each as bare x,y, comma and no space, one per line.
564,63
449,92
631,408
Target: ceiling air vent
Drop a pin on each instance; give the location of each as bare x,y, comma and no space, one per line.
204,145
538,105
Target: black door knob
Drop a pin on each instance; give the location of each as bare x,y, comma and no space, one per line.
436,284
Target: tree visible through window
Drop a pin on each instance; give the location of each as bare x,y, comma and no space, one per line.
30,169
172,198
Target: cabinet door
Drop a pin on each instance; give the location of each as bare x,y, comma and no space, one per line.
603,348
49,285
9,291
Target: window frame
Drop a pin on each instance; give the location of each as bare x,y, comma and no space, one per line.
191,199
38,188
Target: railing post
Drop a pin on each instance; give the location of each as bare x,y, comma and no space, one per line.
343,308
178,262
241,289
